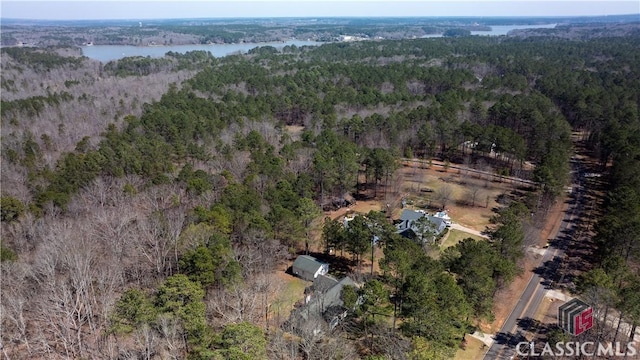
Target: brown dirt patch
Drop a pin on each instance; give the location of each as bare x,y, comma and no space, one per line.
360,207
548,311
315,232
294,131
420,185
378,254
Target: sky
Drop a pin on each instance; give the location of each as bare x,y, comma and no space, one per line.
154,9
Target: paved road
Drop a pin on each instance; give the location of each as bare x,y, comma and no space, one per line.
532,296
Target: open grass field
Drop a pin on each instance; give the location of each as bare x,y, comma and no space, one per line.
455,236
472,197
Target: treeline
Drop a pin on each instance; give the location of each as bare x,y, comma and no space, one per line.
613,284
341,93
39,59
33,106
226,34
143,66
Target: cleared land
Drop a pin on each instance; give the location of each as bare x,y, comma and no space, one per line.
421,186
471,196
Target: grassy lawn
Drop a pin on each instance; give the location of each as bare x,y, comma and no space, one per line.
452,237
455,236
474,349
286,299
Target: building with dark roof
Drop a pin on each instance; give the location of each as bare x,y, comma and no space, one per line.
408,225
323,300
308,268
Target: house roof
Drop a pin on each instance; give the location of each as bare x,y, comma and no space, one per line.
324,282
332,296
307,263
347,281
411,215
440,223
408,218
327,294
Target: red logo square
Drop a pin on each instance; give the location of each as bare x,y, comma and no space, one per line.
583,321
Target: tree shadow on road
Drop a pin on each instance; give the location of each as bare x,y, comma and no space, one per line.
549,272
536,327
560,272
510,340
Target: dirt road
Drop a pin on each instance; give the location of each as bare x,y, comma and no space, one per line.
469,230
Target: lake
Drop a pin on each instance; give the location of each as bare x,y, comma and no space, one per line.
499,30
106,53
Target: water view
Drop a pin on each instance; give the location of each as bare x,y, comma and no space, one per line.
106,53
498,30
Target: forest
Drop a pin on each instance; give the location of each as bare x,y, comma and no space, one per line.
147,203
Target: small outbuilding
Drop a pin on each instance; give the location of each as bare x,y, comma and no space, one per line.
308,268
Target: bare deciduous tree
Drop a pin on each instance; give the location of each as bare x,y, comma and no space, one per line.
302,162
310,333
444,194
14,301
282,346
172,338
155,244
474,193
237,304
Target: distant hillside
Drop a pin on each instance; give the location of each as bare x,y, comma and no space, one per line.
586,30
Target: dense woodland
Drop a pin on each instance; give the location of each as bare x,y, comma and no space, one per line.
146,203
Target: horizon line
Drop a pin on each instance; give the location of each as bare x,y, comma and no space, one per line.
336,17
